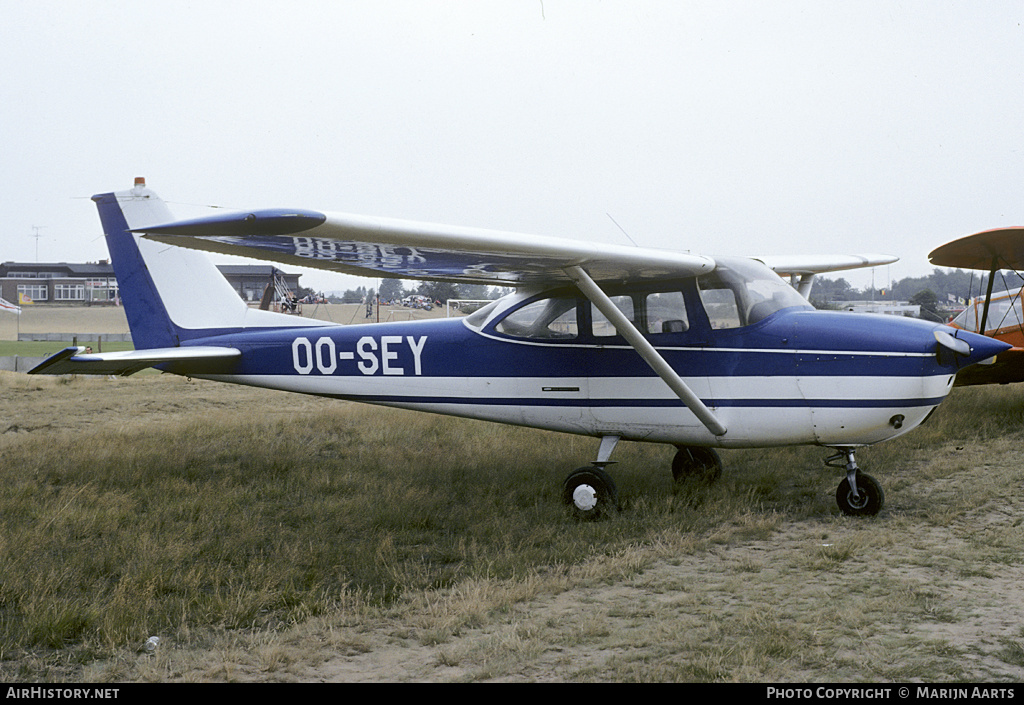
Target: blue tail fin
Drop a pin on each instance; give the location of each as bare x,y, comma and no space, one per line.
171,295
148,320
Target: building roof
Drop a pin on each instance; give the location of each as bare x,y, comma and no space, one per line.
103,268
70,269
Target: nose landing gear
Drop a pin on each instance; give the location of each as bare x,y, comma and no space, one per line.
859,494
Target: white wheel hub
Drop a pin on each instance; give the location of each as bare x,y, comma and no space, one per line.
584,497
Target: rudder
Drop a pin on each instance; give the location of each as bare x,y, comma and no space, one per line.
147,316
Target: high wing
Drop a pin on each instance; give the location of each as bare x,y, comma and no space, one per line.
384,247
789,265
801,269
75,361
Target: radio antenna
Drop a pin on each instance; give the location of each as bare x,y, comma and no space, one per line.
622,229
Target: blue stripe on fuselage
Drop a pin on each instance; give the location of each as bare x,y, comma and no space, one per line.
787,344
773,403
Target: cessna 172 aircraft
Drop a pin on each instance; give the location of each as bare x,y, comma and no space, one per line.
607,341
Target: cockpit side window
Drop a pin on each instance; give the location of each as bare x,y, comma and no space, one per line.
552,318
665,312
721,306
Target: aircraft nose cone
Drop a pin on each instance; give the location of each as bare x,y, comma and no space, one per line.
978,347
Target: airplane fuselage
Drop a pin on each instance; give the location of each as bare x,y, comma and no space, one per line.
797,377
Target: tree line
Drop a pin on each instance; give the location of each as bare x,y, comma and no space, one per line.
942,290
397,289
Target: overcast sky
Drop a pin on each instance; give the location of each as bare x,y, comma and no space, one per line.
717,127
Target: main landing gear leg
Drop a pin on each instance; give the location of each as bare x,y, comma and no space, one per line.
859,494
590,492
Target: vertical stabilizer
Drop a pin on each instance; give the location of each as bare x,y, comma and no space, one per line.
170,294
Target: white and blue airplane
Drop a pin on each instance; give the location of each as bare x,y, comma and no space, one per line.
606,341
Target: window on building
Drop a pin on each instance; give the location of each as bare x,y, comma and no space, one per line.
69,292
102,289
32,292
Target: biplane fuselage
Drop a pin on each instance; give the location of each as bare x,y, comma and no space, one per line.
1005,320
995,314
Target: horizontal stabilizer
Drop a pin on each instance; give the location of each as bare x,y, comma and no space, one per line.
75,361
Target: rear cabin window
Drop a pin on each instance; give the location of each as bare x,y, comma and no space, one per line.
601,326
653,313
665,312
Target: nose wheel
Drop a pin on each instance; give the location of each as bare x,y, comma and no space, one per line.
859,494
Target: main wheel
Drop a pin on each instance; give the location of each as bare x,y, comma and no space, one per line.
869,500
590,493
696,463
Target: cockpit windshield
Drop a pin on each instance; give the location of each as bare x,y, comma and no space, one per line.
1004,312
740,292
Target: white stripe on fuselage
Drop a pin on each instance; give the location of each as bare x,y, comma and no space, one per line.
814,412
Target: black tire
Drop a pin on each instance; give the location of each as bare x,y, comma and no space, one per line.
695,463
590,493
870,498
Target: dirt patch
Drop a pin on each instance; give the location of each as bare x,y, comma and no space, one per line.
686,617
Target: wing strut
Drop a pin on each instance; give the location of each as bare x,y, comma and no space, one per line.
647,351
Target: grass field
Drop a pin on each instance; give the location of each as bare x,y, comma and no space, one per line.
48,318
264,536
